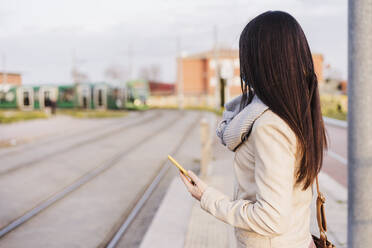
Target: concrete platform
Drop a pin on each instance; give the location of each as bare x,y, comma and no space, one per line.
170,223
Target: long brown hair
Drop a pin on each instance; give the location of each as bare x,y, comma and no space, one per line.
276,64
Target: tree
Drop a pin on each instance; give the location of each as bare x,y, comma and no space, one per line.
78,76
116,73
151,73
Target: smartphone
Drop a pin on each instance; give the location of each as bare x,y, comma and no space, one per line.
182,170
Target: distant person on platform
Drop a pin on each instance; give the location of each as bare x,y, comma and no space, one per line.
276,130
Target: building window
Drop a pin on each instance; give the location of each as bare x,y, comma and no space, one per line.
227,70
213,81
212,64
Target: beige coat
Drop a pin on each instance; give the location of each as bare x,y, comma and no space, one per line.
268,210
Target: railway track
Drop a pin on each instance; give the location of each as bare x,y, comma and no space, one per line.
79,144
59,138
87,177
115,239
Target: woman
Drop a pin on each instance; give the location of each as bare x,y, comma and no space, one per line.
276,131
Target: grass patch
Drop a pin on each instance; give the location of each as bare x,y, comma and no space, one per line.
133,107
92,113
164,107
335,114
334,106
198,108
9,116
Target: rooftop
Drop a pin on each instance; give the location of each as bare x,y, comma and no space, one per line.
11,73
222,52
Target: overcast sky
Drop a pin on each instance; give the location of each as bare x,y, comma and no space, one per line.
39,37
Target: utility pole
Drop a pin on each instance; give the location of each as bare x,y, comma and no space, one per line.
76,74
360,124
180,87
5,76
130,61
74,67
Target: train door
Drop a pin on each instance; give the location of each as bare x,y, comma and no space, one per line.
120,102
100,96
116,93
66,96
47,95
125,96
84,96
25,98
85,102
115,98
46,99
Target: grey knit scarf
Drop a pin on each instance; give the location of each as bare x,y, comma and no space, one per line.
236,125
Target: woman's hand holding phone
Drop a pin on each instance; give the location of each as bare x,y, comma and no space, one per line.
199,186
192,182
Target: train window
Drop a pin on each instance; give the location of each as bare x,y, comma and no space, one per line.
100,99
85,102
9,97
47,101
118,103
26,98
115,93
6,96
67,95
85,92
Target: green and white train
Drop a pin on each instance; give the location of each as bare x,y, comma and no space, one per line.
81,95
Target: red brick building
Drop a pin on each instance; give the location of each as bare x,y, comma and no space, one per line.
197,73
10,78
